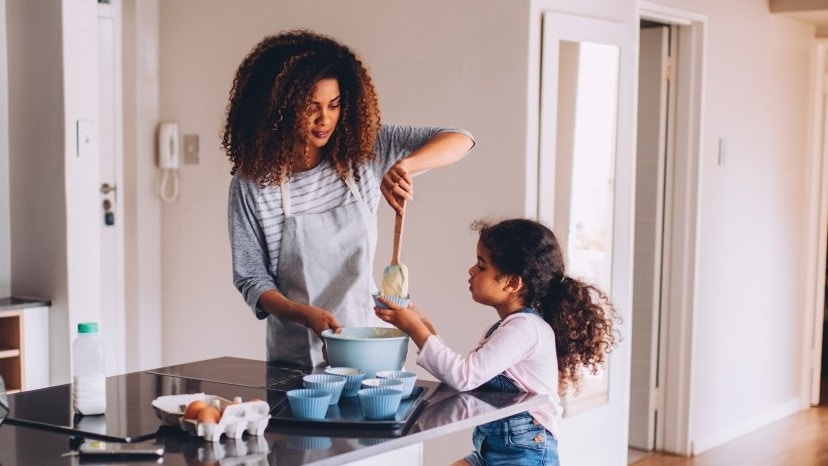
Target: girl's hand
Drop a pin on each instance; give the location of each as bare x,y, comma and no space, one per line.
410,320
397,184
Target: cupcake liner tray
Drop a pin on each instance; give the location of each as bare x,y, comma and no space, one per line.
348,413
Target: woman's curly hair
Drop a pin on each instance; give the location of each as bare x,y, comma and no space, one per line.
580,314
270,104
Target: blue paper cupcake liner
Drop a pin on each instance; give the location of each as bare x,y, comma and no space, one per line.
402,302
307,403
380,402
328,382
408,379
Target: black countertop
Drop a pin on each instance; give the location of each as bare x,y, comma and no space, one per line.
10,302
41,423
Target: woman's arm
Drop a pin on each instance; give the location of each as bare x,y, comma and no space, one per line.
317,319
250,264
443,147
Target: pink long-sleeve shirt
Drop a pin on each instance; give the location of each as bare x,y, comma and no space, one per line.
522,347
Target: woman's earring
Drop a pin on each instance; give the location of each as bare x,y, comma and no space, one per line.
307,156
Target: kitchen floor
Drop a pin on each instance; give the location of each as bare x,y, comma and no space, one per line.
634,455
796,440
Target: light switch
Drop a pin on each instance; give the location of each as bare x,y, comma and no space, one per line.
191,149
722,151
85,138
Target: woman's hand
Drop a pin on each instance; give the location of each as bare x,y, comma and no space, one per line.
319,320
312,317
410,320
396,185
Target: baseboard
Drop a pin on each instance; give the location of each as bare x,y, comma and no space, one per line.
707,442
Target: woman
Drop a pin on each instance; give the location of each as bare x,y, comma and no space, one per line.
310,160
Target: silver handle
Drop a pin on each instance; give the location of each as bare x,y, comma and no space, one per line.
106,188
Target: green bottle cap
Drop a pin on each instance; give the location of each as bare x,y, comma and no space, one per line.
87,327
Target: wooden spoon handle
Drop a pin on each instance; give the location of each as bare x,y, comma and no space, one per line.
398,231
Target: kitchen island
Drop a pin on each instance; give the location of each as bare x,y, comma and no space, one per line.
41,429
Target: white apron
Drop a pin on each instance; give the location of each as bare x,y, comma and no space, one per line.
326,260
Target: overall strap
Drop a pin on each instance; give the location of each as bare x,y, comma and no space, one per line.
525,310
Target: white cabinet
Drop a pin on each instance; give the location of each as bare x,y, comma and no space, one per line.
24,344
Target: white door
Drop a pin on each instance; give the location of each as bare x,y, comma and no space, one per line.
111,179
653,92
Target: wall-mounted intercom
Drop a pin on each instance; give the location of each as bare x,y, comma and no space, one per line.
169,157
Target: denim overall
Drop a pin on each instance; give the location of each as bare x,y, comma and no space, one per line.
517,440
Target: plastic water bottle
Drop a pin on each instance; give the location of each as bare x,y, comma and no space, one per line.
89,378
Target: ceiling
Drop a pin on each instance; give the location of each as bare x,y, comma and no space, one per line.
808,11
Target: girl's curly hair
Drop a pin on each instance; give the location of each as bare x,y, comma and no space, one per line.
270,102
581,315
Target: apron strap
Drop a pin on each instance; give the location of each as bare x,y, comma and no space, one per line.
349,180
285,187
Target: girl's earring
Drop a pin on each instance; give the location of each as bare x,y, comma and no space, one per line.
307,156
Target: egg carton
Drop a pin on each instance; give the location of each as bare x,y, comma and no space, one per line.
237,417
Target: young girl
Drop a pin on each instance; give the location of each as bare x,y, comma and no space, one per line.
310,163
551,327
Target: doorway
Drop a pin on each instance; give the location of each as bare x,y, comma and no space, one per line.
654,156
671,59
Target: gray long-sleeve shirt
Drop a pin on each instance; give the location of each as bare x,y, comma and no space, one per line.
255,215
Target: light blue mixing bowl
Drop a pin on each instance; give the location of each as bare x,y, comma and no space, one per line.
371,349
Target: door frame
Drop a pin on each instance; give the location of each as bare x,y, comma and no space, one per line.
115,332
673,432
817,228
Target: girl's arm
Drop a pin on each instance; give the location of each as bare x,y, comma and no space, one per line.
511,343
410,320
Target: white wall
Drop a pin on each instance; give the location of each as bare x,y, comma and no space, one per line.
81,182
142,212
37,164
752,221
53,192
